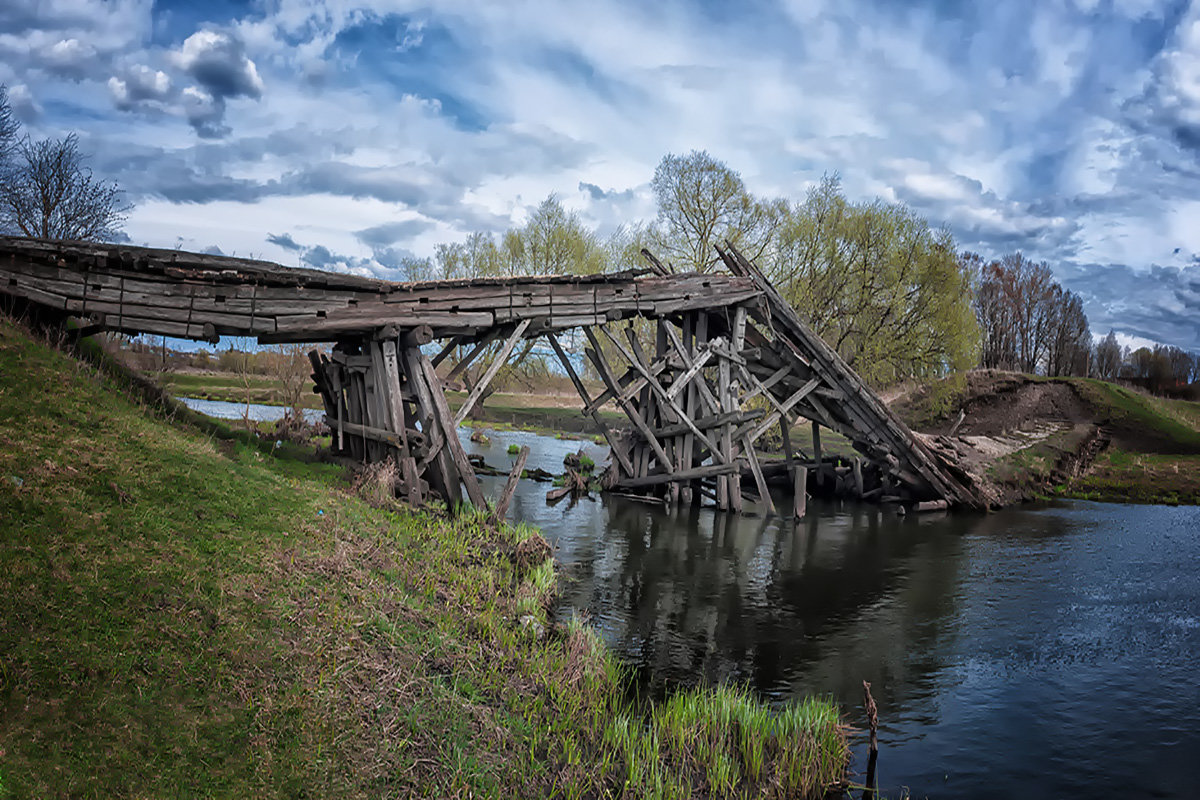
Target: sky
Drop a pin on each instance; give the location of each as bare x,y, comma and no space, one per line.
347,135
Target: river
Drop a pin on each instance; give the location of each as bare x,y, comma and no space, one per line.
1038,652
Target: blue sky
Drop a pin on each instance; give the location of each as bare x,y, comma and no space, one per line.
1067,130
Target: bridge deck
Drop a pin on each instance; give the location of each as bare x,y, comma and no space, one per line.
731,360
193,296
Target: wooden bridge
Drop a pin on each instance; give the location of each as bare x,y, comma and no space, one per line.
730,362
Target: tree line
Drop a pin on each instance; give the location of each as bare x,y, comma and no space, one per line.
891,293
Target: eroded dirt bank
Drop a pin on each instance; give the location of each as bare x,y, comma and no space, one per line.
1016,436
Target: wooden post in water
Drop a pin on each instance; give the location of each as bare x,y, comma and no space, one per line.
510,487
816,437
800,487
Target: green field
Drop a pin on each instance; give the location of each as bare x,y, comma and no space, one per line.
188,613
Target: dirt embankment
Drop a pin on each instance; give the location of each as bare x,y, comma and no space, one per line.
1010,435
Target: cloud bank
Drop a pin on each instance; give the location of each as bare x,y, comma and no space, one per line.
367,132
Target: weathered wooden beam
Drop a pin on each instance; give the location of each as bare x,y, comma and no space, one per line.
658,478
510,487
450,431
613,444
493,368
596,355
415,438
800,490
440,466
781,410
662,395
471,355
708,423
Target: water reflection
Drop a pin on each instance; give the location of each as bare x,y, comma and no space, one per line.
1037,652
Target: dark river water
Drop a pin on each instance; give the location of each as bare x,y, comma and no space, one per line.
1049,652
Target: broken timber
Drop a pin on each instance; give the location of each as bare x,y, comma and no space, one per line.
723,361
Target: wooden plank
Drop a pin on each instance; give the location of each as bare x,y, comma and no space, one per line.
491,371
658,478
450,432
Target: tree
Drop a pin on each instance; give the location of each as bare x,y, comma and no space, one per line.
877,283
1108,357
701,203
1070,341
48,192
1028,321
10,130
290,366
553,241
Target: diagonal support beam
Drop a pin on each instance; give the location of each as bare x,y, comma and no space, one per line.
492,369
597,357
613,444
780,411
471,355
670,401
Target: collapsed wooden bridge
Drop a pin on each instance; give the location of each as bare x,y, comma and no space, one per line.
730,361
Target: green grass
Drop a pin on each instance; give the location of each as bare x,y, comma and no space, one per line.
187,613
1163,425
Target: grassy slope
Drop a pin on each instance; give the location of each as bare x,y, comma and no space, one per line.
1154,456
189,616
1155,453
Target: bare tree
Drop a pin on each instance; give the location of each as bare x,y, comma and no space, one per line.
1029,322
289,364
1108,357
1070,341
48,192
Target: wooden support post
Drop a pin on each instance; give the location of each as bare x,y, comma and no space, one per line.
800,487
858,477
816,437
439,464
510,487
404,456
686,451
675,443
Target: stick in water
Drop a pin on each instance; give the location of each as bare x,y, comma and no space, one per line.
873,724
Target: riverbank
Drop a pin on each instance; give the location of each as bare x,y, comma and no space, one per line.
190,612
1023,436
